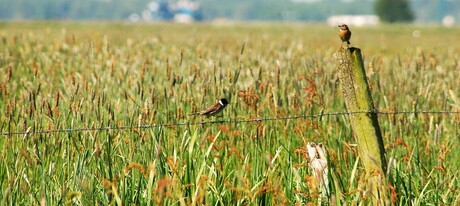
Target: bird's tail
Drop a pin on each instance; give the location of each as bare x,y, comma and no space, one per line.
193,114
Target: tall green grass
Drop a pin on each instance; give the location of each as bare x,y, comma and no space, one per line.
59,75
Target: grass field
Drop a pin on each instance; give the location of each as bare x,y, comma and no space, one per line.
57,76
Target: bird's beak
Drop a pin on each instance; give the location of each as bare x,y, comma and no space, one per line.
338,26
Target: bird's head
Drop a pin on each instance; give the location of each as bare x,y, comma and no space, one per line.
223,102
343,27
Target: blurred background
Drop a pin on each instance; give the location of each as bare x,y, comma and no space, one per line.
354,11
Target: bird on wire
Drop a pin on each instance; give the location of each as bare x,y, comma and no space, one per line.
344,34
214,109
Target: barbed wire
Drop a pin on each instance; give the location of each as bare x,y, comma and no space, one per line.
226,121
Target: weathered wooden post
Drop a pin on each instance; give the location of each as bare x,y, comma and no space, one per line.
364,122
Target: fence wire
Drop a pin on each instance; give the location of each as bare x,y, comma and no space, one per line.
227,121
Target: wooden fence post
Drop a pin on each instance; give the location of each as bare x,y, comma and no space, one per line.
364,122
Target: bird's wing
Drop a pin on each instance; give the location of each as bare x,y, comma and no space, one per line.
210,109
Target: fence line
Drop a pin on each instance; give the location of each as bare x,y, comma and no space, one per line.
228,121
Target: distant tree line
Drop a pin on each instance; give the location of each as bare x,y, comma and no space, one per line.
271,10
69,9
394,11
236,9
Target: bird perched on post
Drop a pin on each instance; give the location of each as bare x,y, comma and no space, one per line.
214,109
344,34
